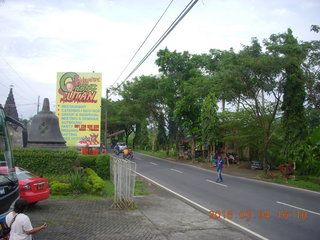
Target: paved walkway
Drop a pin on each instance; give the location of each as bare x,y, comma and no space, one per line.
159,216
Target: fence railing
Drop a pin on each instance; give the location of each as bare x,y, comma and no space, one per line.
123,174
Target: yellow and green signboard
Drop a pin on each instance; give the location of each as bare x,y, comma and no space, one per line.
78,107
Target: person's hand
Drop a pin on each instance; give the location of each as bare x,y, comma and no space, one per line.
45,225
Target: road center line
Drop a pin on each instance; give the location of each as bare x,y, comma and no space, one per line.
216,183
153,163
172,169
286,204
204,208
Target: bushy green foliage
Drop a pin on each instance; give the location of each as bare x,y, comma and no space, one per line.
308,155
96,182
58,188
76,181
88,161
98,163
45,161
103,166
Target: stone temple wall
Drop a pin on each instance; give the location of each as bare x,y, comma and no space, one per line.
15,136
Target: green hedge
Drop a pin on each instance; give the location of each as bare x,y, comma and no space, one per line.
90,182
103,166
88,161
59,161
96,183
58,188
45,161
99,163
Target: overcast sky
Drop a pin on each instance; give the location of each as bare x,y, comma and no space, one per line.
39,38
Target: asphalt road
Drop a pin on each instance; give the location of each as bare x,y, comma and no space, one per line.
270,210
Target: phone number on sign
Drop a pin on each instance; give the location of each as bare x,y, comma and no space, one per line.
262,214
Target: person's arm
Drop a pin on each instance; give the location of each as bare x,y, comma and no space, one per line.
37,229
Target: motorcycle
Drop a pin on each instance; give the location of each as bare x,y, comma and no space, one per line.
128,154
116,151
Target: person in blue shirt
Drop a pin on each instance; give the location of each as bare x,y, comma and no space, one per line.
219,165
214,158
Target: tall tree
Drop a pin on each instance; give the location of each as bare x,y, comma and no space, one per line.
245,78
179,72
293,55
312,72
210,120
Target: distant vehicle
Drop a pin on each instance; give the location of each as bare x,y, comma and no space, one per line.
127,154
121,146
259,165
32,188
256,165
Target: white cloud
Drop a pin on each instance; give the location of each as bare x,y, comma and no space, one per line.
281,11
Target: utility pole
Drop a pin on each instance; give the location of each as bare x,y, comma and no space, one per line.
38,104
106,121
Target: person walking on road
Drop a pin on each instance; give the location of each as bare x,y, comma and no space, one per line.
219,165
21,228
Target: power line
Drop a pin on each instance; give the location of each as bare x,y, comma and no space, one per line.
18,75
143,42
164,35
16,93
22,104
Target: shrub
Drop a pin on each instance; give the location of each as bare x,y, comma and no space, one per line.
58,178
87,187
76,181
58,188
96,183
88,161
98,163
103,166
45,161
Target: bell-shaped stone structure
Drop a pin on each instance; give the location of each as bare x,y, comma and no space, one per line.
45,131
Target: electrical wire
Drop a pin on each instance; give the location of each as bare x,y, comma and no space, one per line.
142,43
189,6
16,93
18,75
22,104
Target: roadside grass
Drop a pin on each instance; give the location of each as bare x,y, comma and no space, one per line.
172,154
159,154
305,182
140,188
77,196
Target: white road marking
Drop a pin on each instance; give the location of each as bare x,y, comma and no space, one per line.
172,169
153,163
216,183
204,208
303,209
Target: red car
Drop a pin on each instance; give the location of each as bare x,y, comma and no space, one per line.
32,188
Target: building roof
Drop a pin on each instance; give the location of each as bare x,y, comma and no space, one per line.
10,108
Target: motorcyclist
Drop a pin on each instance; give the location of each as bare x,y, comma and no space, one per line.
117,149
127,153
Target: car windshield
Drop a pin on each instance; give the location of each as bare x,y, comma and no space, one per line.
121,144
23,174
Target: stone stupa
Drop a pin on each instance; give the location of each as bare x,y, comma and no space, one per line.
45,131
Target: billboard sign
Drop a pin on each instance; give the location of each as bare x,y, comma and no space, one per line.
78,107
